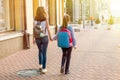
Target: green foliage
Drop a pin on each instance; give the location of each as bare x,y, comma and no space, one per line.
69,8
79,21
97,21
111,21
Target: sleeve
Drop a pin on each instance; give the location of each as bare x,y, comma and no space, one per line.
73,36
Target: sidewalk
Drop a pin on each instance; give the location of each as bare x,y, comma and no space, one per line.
24,60
96,58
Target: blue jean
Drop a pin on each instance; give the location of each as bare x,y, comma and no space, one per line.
42,45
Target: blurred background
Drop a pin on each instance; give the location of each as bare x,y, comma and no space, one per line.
17,16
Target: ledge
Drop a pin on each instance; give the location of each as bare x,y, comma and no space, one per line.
14,34
10,35
52,27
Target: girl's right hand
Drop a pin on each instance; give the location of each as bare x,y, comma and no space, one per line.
51,39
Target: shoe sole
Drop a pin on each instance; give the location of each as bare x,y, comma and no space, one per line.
43,72
40,69
62,71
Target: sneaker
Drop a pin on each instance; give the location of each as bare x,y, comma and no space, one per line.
67,72
44,71
40,67
62,70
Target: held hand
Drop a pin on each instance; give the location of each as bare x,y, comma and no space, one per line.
51,39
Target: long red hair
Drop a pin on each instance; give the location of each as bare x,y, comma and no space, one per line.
41,14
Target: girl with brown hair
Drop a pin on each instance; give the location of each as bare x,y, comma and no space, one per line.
42,43
66,56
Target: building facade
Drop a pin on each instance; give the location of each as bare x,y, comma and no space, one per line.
85,9
17,16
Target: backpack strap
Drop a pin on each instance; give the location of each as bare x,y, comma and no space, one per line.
69,33
39,23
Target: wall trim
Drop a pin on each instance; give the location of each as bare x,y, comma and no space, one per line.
10,35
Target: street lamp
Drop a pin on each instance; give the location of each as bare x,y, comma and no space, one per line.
82,2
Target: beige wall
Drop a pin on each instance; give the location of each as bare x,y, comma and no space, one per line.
52,9
17,12
56,7
19,15
35,5
29,16
10,46
7,18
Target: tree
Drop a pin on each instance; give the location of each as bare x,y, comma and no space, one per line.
69,8
79,21
97,21
111,21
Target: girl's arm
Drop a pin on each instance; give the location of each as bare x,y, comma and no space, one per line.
33,33
73,36
55,37
47,27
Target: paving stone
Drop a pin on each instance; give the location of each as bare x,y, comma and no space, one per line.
97,57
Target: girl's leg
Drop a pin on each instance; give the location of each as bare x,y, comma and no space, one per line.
63,57
39,45
44,52
40,57
68,57
63,60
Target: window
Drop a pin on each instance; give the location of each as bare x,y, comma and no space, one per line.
6,15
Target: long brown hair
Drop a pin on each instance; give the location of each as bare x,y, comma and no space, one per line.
41,15
66,20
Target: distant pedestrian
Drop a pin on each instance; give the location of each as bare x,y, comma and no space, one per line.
66,56
41,39
91,18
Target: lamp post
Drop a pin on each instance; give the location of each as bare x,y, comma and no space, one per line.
83,11
81,2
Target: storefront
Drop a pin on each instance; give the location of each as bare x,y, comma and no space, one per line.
16,16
